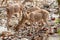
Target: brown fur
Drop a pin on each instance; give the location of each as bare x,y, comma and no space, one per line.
36,15
39,15
13,9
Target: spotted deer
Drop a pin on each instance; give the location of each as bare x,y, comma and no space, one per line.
38,15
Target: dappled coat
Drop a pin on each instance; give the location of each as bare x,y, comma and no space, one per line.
39,15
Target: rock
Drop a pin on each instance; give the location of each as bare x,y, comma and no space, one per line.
24,39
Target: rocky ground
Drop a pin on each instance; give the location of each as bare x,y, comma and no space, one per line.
54,37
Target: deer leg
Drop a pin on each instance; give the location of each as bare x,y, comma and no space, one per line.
9,15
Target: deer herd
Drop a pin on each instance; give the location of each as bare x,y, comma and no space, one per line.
33,14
